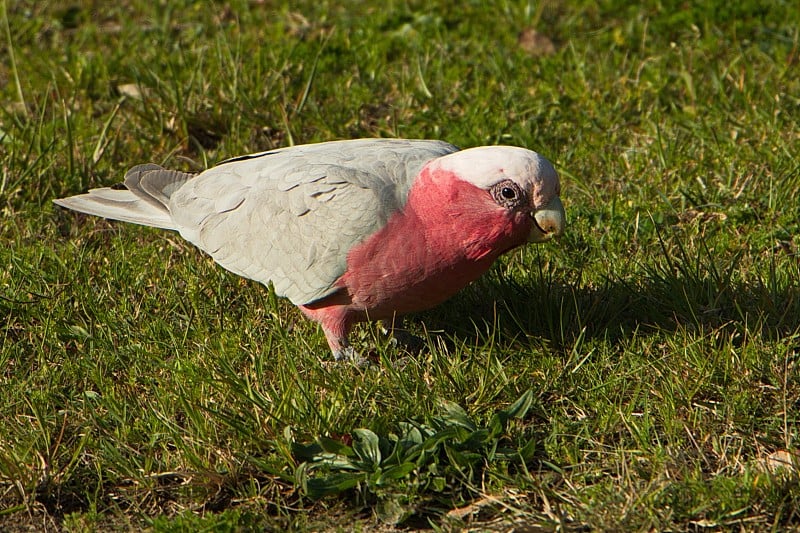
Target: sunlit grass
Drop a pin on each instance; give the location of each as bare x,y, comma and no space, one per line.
655,346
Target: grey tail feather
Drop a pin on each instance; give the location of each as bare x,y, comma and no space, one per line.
144,200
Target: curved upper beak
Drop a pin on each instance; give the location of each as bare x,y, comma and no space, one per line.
548,221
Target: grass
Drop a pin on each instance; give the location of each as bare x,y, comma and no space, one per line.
641,373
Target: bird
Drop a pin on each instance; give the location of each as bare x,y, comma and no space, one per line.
350,230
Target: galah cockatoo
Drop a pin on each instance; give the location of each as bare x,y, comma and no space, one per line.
350,230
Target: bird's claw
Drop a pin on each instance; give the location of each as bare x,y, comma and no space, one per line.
348,354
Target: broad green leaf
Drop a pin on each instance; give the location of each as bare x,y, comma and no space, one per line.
436,439
454,414
462,459
477,439
306,452
411,434
318,487
520,408
301,476
397,472
367,446
334,446
333,461
527,452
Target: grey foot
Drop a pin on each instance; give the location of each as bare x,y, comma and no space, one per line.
348,354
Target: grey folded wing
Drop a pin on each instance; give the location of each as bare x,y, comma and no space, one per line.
286,219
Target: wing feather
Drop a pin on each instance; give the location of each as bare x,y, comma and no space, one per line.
289,217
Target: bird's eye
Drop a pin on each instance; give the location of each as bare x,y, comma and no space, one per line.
508,194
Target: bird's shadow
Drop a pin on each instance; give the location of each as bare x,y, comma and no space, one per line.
560,313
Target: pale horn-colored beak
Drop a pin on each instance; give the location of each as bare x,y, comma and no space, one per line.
548,221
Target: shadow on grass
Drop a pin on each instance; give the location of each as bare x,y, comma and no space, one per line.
662,300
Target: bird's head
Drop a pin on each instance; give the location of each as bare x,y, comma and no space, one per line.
517,179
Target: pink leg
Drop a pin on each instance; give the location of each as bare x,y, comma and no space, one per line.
336,323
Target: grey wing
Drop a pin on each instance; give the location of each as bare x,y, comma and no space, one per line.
289,220
297,240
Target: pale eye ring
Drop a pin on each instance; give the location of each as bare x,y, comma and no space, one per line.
508,194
